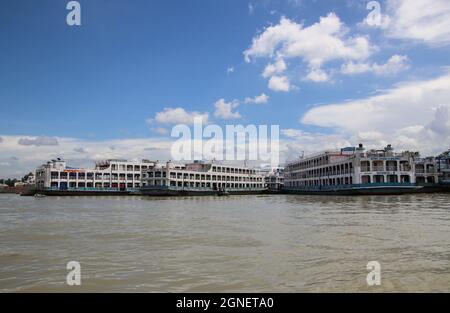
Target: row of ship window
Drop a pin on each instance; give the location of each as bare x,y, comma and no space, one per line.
160,182
334,168
135,168
75,176
94,185
232,170
325,182
326,171
200,177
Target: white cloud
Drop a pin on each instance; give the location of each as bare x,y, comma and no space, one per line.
230,70
27,158
279,83
38,141
79,150
274,68
160,130
395,64
300,142
225,109
262,98
423,20
412,115
171,116
318,76
322,42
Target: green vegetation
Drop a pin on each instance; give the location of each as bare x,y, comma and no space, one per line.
11,181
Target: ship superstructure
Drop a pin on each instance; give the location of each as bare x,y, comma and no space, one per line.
355,170
199,178
111,174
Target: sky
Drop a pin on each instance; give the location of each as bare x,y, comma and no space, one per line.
329,72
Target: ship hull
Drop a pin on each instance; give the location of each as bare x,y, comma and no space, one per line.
359,190
54,192
161,192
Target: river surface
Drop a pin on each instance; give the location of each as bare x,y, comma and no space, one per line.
277,243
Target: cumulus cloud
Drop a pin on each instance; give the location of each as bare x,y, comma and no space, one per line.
412,115
279,83
318,76
274,68
172,116
316,45
225,109
422,20
262,98
395,64
38,141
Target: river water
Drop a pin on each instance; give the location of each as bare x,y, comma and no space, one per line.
277,243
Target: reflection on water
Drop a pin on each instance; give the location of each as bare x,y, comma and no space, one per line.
225,244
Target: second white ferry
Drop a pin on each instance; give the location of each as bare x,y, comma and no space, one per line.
200,178
354,170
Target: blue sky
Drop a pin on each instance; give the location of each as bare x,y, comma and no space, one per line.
107,79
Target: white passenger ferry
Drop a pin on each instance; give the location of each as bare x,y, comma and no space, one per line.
201,178
110,176
354,170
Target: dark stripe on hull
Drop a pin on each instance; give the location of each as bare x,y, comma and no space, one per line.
353,192
168,192
77,193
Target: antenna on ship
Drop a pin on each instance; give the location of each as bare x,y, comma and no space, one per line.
302,155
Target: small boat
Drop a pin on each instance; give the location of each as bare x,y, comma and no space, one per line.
38,195
223,193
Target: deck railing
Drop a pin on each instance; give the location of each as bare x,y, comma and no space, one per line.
352,186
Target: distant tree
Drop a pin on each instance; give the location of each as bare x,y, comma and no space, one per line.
24,179
10,182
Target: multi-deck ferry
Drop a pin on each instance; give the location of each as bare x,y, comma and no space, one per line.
200,178
351,170
354,170
107,177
